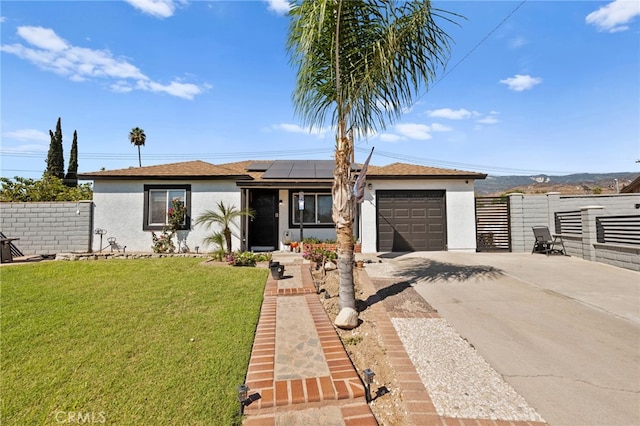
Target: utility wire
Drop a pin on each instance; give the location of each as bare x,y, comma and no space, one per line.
287,153
501,23
466,166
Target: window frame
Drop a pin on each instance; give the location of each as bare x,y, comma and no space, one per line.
146,226
294,212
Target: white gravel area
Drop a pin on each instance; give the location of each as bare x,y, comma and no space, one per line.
461,383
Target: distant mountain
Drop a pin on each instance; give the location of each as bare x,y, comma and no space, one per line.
579,183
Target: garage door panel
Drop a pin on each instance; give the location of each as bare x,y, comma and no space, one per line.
401,214
435,228
411,220
403,228
418,213
419,228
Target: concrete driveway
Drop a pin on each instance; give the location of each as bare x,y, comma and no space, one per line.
564,332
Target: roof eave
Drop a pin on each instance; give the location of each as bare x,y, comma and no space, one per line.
163,177
286,184
428,177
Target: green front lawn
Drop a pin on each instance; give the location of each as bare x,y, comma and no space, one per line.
155,341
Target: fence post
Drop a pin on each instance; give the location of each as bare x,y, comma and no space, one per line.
589,233
553,205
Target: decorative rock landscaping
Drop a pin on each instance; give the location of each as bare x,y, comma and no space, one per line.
104,256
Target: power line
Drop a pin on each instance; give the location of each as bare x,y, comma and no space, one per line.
466,166
501,23
286,153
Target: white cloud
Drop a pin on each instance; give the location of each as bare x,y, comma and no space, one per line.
26,148
437,127
3,19
43,38
294,128
121,87
28,135
175,88
517,42
390,137
487,120
50,52
156,8
414,131
450,114
281,7
520,82
614,16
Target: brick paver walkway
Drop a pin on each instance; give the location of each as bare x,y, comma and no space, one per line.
298,366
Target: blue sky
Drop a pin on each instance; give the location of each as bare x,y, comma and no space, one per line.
530,87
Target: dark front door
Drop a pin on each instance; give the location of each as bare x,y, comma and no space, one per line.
263,228
411,220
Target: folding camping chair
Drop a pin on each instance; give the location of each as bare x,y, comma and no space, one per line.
545,243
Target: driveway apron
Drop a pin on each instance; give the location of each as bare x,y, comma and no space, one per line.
564,332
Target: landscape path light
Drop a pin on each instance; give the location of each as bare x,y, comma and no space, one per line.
243,391
368,379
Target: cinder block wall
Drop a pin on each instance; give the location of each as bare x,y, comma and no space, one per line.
48,227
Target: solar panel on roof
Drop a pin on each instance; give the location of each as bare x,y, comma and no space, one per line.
306,173
262,166
280,165
300,169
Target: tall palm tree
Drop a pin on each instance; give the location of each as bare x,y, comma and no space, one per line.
224,217
138,138
361,62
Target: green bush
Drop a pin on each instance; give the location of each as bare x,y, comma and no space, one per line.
247,258
49,188
319,255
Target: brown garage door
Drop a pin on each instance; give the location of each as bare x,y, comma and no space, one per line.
411,220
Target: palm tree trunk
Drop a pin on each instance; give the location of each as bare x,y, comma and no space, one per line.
343,218
227,238
139,158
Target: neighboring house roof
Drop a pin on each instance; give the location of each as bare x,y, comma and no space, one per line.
189,169
633,187
275,172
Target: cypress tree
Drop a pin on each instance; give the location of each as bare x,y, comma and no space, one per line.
55,158
71,179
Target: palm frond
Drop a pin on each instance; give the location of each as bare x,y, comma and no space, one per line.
362,62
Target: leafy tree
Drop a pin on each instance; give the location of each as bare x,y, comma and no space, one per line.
224,218
71,179
362,62
49,188
138,138
55,157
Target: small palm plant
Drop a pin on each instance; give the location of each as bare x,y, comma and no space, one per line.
223,217
217,241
